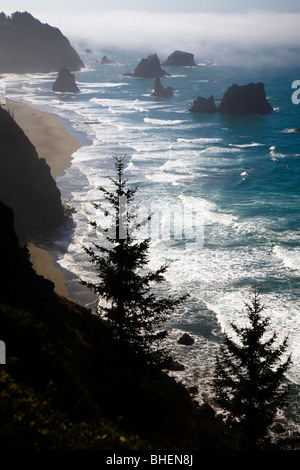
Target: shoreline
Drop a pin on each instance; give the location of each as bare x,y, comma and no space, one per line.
47,134
56,146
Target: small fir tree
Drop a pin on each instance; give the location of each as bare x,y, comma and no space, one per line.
249,377
134,312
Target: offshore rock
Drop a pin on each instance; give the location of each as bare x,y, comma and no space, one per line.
106,61
204,105
159,90
29,46
186,340
245,100
65,82
180,59
148,68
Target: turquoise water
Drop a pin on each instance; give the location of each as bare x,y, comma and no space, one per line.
237,177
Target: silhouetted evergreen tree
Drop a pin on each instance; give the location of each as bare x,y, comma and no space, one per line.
249,377
124,283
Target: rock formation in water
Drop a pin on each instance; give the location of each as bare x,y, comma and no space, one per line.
240,100
159,90
26,184
180,59
29,46
148,68
245,100
106,61
186,340
204,105
65,82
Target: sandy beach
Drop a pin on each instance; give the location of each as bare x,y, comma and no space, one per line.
56,146
50,138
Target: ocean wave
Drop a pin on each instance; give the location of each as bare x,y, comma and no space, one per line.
274,154
290,258
101,85
164,122
200,140
218,150
166,177
252,144
209,210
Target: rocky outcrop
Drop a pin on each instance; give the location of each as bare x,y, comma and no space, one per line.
180,59
106,61
240,100
159,90
204,105
26,184
65,82
186,340
148,68
29,46
245,100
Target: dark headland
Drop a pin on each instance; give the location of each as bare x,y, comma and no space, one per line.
29,46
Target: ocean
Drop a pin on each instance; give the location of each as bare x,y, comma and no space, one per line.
223,191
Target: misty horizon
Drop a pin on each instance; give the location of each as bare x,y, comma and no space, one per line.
253,35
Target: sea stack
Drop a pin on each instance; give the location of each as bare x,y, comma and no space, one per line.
238,99
180,59
245,100
106,61
204,105
65,82
159,90
148,68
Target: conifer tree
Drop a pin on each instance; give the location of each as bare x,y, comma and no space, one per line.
249,377
125,284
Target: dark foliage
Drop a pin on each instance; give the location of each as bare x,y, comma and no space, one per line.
249,377
68,385
134,312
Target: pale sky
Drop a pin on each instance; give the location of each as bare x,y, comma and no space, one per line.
166,25
49,7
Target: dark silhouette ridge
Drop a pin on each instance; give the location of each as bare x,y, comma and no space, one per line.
148,68
159,90
29,46
180,59
65,81
26,184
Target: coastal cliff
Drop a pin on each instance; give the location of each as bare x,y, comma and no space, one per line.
60,388
29,46
26,184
